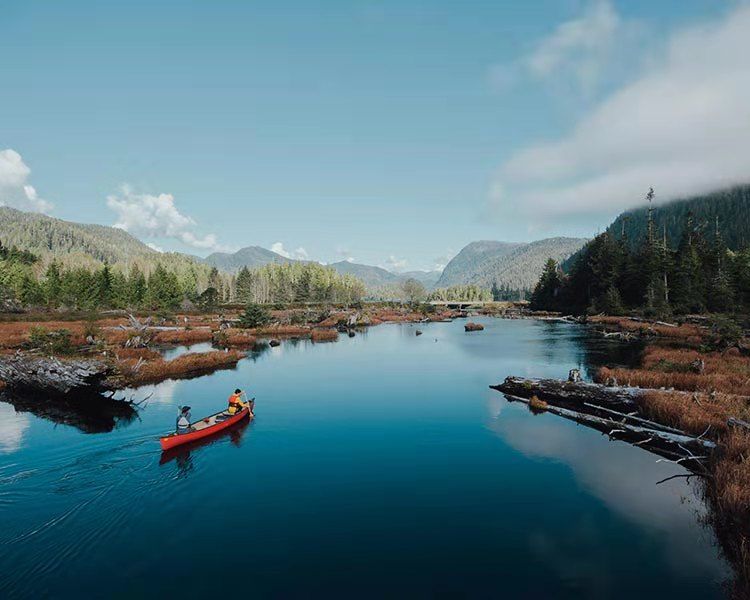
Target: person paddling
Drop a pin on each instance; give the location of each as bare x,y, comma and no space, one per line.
235,402
183,419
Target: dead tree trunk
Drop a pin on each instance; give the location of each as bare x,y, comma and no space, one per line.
613,411
50,375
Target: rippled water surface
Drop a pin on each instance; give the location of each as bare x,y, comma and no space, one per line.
380,465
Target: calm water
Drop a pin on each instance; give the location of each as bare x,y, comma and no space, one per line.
377,466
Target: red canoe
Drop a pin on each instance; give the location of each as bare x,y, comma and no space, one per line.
206,427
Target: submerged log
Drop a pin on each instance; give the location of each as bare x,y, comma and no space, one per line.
50,375
571,394
611,410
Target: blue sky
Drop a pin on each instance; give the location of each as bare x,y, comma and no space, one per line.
388,132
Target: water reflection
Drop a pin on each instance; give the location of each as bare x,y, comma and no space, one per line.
13,426
182,455
90,415
622,476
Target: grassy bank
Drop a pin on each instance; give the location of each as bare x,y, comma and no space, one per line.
704,391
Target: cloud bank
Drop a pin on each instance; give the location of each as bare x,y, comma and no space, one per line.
157,217
15,189
682,127
298,254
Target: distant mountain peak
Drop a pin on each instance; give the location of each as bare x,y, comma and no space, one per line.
511,265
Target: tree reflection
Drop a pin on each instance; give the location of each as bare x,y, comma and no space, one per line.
90,414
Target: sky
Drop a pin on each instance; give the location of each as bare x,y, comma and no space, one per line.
387,132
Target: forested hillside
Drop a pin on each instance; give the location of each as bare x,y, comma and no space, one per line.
731,207
649,270
251,257
43,235
507,266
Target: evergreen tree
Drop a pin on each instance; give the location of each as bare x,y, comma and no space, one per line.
53,285
254,316
545,295
137,287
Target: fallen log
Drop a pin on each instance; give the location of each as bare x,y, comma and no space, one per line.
683,449
50,375
571,394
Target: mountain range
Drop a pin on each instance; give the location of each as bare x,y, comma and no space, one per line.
514,266
509,265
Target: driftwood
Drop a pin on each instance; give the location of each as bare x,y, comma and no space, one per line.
53,376
571,394
687,450
613,411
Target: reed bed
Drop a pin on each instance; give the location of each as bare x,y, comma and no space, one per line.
283,331
187,365
685,332
183,336
324,335
236,339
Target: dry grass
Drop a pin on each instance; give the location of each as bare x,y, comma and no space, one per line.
324,335
283,331
136,353
685,332
183,336
236,339
679,369
536,405
714,387
187,365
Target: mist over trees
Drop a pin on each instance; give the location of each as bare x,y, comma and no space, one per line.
654,275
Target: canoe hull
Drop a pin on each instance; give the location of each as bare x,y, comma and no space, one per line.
172,441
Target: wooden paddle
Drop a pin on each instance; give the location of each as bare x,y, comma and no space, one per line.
249,410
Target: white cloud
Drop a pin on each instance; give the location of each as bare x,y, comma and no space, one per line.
682,127
298,254
344,254
15,190
582,50
154,247
157,217
441,262
395,264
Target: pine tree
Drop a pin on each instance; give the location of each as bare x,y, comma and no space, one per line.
137,287
53,285
546,291
254,316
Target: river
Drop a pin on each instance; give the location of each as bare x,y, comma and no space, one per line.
379,465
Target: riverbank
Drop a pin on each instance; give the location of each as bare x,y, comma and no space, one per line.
129,348
693,379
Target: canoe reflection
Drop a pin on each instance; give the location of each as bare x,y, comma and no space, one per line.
182,453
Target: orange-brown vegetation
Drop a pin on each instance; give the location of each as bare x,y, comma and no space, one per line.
324,335
236,338
154,371
685,332
283,331
182,336
708,389
537,405
136,353
687,370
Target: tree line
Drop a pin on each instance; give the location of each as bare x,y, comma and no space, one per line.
24,280
459,293
615,275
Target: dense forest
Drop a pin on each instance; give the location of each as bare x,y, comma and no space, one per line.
26,281
654,274
469,293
